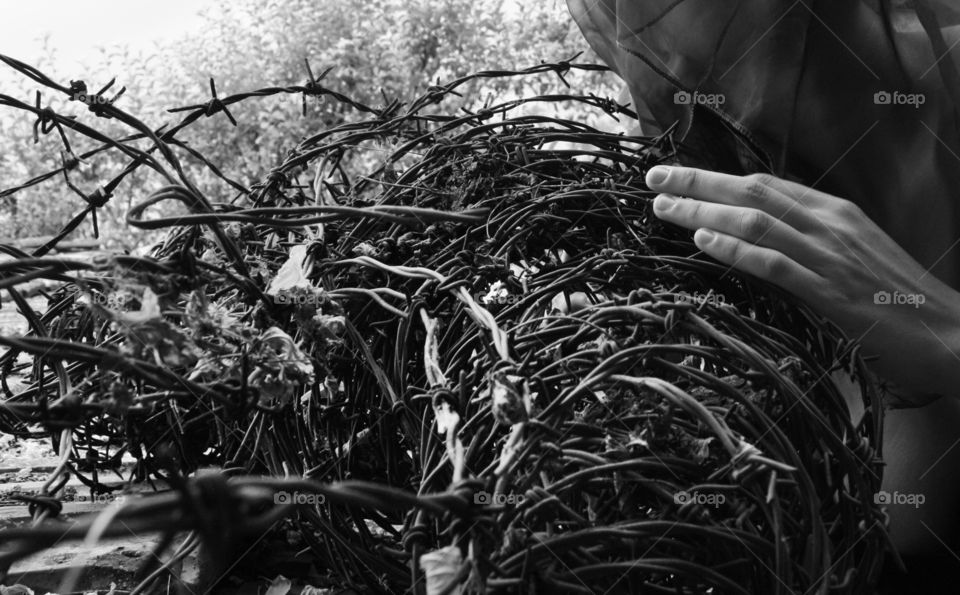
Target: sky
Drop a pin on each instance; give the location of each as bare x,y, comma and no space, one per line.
77,28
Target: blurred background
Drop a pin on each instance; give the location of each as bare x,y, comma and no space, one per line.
165,52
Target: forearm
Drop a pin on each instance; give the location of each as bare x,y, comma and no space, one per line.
922,454
938,329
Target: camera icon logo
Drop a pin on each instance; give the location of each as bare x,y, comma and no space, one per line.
681,497
282,498
682,98
482,498
882,98
882,497
881,297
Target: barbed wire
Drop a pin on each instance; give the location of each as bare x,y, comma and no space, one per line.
613,410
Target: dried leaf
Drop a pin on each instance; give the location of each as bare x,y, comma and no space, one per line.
292,273
441,567
149,310
279,586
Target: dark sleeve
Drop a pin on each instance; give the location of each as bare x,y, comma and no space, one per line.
857,98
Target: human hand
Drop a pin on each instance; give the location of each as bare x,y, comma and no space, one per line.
827,252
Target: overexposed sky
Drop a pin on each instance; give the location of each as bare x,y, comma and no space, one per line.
76,28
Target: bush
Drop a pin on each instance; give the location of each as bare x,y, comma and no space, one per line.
378,50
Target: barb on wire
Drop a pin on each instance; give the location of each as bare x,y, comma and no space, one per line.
476,342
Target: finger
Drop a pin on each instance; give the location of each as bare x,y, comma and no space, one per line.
803,194
764,263
751,191
751,225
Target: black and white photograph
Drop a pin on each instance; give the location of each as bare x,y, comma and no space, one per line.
458,297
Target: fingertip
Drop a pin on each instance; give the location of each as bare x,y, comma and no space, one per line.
703,237
657,176
662,204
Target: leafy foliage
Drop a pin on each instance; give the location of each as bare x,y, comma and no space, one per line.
378,50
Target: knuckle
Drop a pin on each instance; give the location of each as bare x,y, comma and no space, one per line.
848,209
754,224
772,265
694,209
755,190
689,178
762,178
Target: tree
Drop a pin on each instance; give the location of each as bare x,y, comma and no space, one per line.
378,50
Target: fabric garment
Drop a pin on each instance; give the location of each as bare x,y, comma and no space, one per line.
857,98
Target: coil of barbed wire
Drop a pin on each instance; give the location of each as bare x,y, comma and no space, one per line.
468,334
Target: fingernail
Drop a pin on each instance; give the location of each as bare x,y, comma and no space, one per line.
703,237
663,203
657,175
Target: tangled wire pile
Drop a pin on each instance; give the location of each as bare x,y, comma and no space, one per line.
488,364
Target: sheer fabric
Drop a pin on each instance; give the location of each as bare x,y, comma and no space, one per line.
857,98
